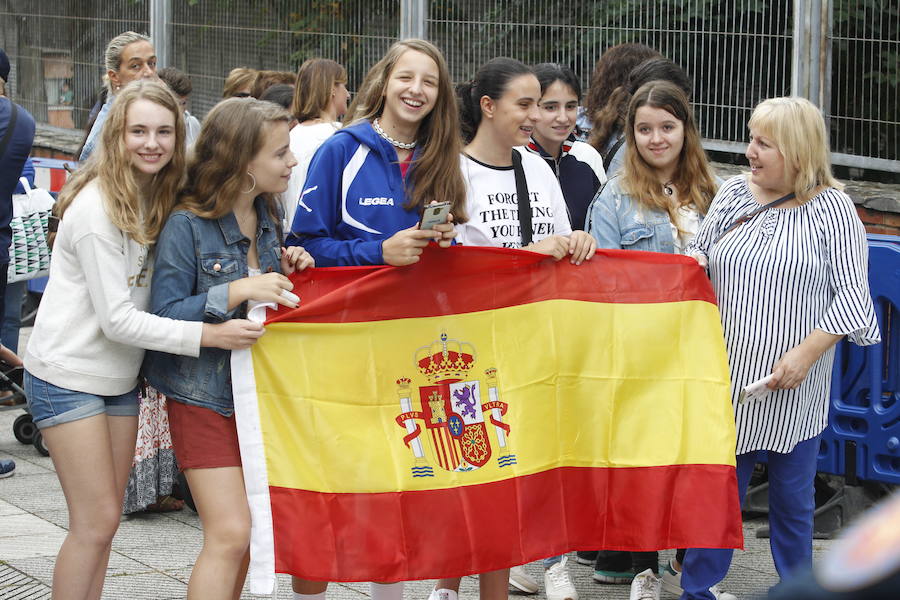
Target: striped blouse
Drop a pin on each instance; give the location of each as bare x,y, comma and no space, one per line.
777,277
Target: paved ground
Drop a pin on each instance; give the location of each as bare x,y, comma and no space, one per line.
152,554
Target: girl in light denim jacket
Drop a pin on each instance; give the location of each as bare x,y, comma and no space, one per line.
655,203
220,251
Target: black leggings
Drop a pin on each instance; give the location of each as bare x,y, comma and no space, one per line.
620,561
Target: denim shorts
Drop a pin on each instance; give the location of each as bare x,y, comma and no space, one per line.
50,405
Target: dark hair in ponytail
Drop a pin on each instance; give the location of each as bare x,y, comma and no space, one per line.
491,81
550,73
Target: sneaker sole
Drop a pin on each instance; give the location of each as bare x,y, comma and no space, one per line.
10,474
523,588
671,588
606,579
584,561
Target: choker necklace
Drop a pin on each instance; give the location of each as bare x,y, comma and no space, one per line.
404,145
667,188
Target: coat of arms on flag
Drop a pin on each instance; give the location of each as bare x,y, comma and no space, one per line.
457,434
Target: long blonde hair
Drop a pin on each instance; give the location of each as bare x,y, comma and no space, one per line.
233,133
435,175
110,165
693,177
798,130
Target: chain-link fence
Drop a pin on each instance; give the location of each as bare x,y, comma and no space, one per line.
736,51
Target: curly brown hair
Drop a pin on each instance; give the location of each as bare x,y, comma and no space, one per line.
610,73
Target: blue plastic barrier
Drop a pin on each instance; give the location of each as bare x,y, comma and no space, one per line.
863,436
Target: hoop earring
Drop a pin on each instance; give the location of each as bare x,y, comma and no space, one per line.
252,185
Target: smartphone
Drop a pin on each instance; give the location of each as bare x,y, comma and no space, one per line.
434,214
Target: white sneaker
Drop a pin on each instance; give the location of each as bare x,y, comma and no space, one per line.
671,579
714,590
671,584
522,581
443,594
645,586
557,584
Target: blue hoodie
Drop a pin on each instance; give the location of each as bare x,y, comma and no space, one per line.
352,199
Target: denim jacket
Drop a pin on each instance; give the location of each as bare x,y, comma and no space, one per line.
616,220
196,259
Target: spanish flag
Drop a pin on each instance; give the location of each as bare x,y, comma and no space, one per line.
485,408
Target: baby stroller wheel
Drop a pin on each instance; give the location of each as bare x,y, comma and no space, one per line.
24,429
39,444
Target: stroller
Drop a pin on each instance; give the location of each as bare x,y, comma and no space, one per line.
23,427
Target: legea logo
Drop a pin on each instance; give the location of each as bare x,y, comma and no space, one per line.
376,201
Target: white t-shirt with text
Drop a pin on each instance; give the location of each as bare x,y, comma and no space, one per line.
493,208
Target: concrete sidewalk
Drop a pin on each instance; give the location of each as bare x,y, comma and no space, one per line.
153,553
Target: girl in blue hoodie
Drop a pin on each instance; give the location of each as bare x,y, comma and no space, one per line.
367,184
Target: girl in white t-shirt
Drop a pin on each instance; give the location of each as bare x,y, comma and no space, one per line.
498,112
320,102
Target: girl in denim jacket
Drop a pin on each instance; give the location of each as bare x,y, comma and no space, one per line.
655,203
85,352
218,253
658,200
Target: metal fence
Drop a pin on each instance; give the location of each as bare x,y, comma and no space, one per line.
843,54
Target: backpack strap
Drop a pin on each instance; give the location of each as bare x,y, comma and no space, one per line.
522,197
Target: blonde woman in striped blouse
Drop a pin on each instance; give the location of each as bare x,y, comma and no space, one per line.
791,282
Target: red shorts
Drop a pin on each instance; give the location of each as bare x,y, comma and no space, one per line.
202,438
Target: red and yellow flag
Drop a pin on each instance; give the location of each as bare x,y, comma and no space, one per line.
484,408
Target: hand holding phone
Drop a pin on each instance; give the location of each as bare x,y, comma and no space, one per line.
434,214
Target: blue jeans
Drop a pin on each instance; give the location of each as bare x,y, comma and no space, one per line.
791,505
552,560
12,315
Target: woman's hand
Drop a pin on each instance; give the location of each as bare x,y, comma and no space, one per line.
235,334
404,247
701,259
555,245
295,258
791,369
582,246
269,287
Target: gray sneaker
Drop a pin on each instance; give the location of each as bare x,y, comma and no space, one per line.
7,468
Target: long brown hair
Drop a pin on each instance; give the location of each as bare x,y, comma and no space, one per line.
110,165
233,133
694,179
611,118
316,79
611,71
435,175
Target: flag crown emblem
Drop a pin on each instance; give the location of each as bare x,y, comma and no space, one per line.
458,408
445,359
